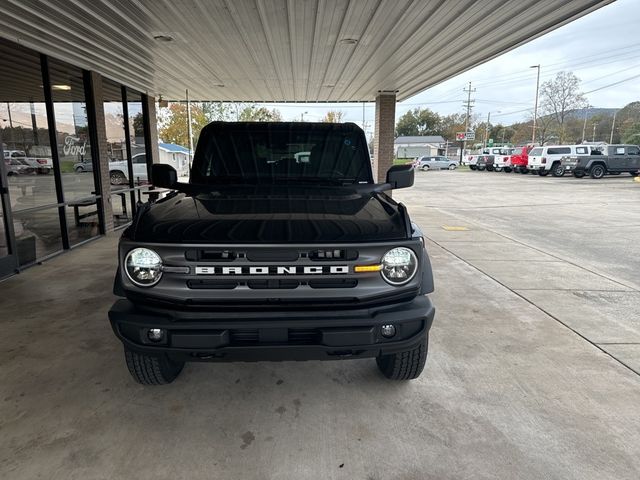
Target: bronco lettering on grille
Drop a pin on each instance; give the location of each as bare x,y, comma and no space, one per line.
275,270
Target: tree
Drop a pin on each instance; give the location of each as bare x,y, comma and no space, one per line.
560,96
253,113
418,122
172,120
450,125
333,116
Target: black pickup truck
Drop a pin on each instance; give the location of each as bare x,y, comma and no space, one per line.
280,247
608,159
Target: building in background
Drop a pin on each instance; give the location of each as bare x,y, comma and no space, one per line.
417,146
175,155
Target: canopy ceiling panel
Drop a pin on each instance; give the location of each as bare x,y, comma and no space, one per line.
281,50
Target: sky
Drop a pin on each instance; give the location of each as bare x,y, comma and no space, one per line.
601,48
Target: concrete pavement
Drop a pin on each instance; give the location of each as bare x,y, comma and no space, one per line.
521,381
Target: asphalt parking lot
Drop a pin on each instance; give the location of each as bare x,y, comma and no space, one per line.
533,369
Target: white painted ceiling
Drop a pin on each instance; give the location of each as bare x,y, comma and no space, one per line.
281,50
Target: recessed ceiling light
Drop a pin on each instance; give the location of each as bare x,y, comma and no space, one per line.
349,41
163,38
60,87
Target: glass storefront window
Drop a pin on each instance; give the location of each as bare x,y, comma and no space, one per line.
27,154
74,151
137,138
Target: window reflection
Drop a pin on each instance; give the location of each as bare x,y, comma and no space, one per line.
27,155
37,234
74,152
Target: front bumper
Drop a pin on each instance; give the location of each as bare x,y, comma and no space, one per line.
272,335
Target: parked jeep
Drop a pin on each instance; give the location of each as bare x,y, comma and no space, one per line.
608,159
262,257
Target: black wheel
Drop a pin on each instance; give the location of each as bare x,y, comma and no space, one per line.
578,174
489,168
79,169
507,170
543,173
117,177
405,365
497,169
472,167
453,166
152,370
598,171
481,168
557,170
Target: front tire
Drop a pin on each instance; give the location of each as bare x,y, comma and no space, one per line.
543,173
472,167
152,370
406,365
117,178
598,171
424,168
578,174
453,166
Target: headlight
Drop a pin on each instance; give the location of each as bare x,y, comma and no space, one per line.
399,265
143,267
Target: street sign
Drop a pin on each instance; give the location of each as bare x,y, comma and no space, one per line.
462,136
490,142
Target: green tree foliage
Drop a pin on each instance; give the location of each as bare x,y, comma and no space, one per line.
253,113
172,120
419,121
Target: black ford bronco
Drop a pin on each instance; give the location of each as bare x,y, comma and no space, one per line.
280,247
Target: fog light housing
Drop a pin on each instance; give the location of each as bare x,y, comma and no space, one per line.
155,335
388,331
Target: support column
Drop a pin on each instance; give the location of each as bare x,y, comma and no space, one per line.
150,130
99,148
384,134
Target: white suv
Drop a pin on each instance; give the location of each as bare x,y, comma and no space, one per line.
547,159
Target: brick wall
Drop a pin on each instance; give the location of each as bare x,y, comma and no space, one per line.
384,134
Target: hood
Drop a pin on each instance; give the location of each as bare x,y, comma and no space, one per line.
271,214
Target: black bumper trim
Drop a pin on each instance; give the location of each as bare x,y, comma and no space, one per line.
209,336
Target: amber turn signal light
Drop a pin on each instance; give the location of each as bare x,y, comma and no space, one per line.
367,268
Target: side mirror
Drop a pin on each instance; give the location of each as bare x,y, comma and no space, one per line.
400,176
164,176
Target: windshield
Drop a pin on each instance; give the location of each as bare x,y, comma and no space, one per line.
262,152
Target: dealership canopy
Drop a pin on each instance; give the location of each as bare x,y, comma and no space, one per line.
278,50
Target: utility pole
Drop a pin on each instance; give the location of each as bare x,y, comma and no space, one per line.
467,104
584,125
613,125
535,108
189,129
486,131
593,138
